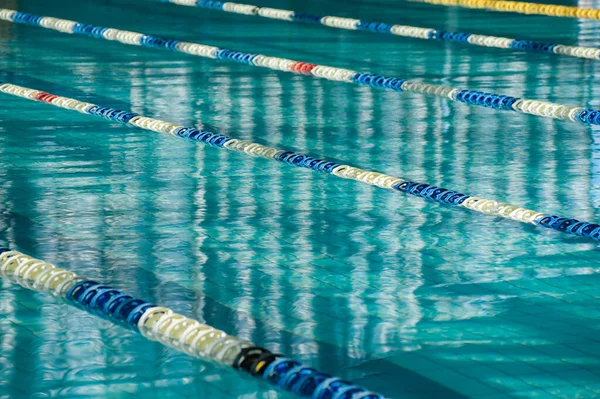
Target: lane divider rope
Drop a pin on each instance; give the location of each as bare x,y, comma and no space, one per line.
520,7
174,330
423,190
470,97
397,30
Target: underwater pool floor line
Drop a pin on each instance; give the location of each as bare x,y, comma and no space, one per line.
414,32
423,190
497,102
174,330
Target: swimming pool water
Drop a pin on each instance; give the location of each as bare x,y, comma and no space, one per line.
407,297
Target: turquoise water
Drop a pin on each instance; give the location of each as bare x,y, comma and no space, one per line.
409,298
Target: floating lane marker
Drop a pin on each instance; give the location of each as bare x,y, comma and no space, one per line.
427,191
520,7
397,30
470,97
163,325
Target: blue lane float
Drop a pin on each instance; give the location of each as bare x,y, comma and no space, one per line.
414,32
163,325
422,190
494,101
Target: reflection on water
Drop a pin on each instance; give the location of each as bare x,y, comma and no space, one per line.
367,284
